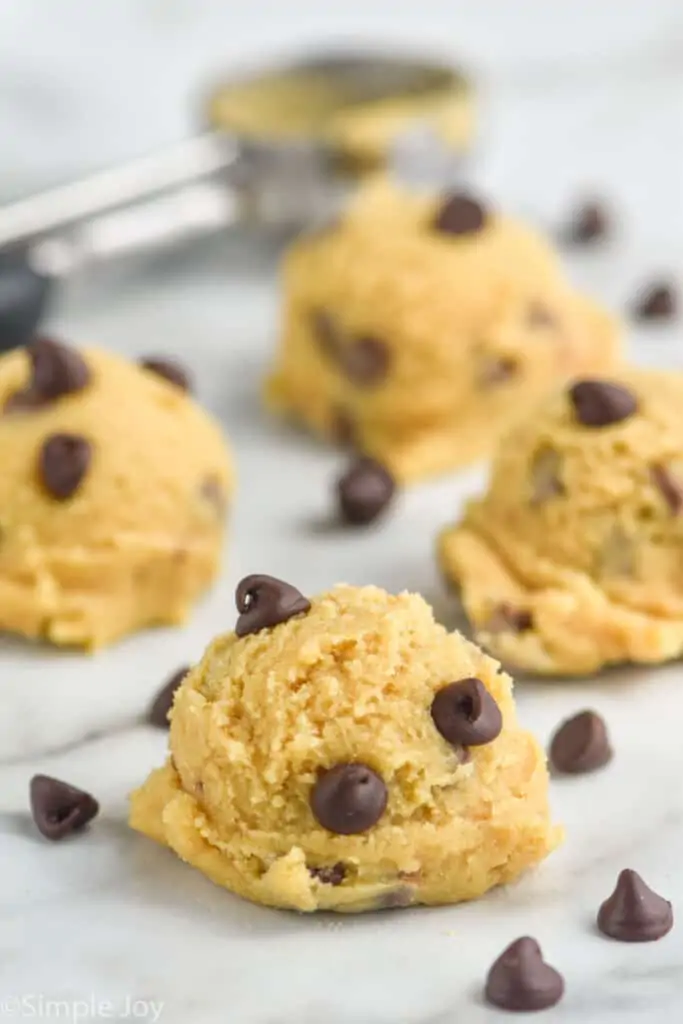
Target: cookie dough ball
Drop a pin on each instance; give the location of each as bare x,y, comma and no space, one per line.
113,495
420,328
574,557
348,754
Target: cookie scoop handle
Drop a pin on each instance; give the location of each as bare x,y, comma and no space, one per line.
183,192
180,192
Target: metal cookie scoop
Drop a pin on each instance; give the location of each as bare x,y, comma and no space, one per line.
283,148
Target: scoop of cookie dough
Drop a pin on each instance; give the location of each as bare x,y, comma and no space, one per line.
112,496
420,327
573,559
347,754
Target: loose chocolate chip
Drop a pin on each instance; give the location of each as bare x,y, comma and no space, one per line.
264,601
63,463
169,369
348,799
589,223
634,913
546,482
365,361
670,488
332,875
658,302
600,403
505,618
520,979
56,370
580,744
460,214
326,333
466,714
58,808
364,491
163,702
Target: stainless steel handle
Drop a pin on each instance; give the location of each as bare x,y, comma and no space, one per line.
159,198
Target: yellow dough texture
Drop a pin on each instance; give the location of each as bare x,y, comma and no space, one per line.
263,718
423,346
140,538
573,559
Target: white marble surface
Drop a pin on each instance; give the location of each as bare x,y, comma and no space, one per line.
579,95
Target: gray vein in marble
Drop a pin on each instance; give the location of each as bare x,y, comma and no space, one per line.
48,751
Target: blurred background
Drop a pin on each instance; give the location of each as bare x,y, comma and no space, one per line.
84,84
575,98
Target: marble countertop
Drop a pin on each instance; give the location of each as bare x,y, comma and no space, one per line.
115,926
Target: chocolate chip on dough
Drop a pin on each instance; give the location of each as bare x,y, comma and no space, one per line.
365,361
56,370
334,874
466,714
349,798
601,403
460,214
264,601
169,370
63,464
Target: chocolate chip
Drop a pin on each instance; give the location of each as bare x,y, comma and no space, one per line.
658,302
460,214
505,618
163,702
56,370
212,491
580,744
600,403
264,601
395,899
616,557
343,428
63,463
349,799
669,486
492,370
466,714
331,875
364,491
589,223
22,401
58,808
546,482
634,913
169,369
326,333
520,979
365,361
539,315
